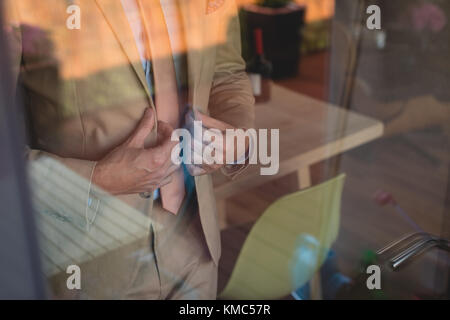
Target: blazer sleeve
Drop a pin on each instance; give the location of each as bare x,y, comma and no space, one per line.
231,97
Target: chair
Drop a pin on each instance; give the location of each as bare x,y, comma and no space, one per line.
288,244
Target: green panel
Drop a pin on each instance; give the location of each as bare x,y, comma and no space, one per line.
288,243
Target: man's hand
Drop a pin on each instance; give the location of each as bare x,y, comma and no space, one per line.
130,168
209,123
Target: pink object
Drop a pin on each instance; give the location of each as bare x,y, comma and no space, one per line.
428,16
384,198
166,94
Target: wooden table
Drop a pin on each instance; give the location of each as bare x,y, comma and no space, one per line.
310,131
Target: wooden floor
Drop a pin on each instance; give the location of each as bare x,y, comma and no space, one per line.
413,166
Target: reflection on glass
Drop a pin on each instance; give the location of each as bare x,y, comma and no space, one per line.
101,101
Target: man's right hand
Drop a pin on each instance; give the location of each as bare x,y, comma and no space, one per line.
131,168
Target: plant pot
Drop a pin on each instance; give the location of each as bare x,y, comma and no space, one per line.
281,29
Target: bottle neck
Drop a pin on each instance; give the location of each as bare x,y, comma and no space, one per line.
259,48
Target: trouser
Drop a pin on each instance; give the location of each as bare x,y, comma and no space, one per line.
177,263
171,261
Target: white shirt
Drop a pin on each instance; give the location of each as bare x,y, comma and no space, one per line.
133,14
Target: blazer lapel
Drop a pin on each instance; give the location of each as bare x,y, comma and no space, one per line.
117,20
193,13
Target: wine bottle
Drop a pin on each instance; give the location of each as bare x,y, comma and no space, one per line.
259,70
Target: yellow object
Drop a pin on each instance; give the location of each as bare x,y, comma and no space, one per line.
288,244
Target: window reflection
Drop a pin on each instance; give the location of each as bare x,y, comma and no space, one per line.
363,119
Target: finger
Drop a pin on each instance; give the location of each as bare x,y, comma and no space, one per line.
211,167
165,181
143,129
195,170
218,157
209,122
164,178
146,188
157,157
170,170
162,152
155,161
163,171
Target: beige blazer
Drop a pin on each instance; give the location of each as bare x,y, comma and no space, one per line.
85,89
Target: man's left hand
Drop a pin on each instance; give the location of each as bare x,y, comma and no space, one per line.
228,145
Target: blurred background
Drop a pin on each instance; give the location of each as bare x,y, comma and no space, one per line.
397,182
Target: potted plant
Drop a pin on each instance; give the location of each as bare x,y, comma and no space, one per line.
281,22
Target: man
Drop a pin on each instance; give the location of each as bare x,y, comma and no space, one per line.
102,101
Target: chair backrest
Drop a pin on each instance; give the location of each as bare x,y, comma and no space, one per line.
287,244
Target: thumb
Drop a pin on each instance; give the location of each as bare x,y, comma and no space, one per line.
143,129
209,122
